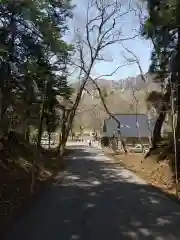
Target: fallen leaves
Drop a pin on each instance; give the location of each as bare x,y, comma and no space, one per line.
157,174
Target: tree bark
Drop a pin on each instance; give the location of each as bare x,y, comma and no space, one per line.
67,121
27,131
49,140
177,132
159,122
38,143
63,130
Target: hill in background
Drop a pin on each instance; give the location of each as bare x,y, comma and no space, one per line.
122,97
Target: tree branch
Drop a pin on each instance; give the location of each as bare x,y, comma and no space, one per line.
109,113
136,60
112,73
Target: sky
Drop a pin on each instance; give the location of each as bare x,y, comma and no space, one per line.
129,26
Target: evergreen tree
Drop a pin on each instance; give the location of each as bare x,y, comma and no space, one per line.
163,28
32,55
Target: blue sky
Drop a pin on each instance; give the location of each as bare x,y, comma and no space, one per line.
139,46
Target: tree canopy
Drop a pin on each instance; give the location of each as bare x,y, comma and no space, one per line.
33,59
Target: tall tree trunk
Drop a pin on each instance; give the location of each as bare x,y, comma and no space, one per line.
159,122
71,133
157,129
68,120
29,101
177,62
38,143
27,133
27,127
62,132
49,140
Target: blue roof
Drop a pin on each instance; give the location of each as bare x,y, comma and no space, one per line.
132,125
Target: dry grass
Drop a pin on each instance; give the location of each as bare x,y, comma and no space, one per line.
158,174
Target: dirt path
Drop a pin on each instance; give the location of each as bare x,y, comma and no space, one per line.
97,199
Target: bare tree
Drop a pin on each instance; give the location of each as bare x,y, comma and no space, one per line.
110,114
136,112
102,29
163,105
134,59
166,94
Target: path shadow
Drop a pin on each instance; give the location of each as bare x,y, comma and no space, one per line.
99,199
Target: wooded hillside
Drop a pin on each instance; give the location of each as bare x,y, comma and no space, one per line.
119,96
